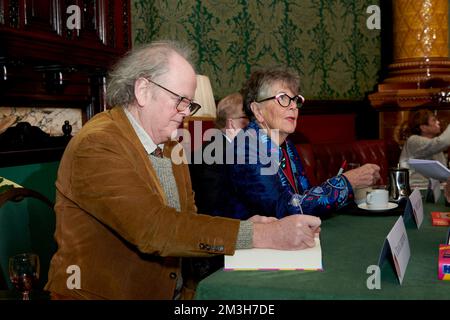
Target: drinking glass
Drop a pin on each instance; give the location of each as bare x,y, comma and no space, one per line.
24,272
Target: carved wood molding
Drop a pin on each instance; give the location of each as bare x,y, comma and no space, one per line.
2,12
13,13
126,23
407,99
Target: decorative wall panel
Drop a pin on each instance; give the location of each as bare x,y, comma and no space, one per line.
327,42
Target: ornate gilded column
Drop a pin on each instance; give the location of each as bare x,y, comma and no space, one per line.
420,29
420,66
420,69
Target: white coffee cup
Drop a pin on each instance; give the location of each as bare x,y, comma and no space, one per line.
377,199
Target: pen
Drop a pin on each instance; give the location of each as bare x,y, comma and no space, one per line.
341,170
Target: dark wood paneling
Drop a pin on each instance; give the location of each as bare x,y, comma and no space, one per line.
44,63
327,128
363,124
42,16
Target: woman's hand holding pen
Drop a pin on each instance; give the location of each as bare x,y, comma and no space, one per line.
364,176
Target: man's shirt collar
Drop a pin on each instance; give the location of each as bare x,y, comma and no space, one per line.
143,136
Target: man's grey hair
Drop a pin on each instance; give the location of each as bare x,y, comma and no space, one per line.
228,107
148,61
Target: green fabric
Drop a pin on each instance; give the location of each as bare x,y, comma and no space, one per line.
349,245
27,226
327,42
40,177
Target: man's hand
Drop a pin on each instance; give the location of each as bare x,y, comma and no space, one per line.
289,233
364,176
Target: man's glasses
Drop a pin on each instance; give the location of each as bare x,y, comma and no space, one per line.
183,102
284,100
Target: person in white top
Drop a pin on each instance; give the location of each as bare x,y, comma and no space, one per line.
425,142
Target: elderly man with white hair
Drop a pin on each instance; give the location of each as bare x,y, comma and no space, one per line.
125,213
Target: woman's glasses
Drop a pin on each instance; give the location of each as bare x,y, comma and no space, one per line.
183,102
285,100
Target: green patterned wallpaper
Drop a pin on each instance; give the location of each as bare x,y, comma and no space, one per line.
327,41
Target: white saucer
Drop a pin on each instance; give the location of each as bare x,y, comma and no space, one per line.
391,205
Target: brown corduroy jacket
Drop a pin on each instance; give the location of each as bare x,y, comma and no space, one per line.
113,222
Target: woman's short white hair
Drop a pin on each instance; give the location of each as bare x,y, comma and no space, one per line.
148,61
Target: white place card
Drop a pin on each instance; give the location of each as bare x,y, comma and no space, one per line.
435,187
417,206
398,245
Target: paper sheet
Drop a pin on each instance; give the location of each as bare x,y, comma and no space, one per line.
430,168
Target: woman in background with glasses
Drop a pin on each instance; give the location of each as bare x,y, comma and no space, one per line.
267,174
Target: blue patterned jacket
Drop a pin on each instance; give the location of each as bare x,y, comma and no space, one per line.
260,186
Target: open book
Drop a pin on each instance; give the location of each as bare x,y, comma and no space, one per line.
269,259
430,168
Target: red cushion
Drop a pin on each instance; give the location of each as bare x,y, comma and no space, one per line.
308,160
324,160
